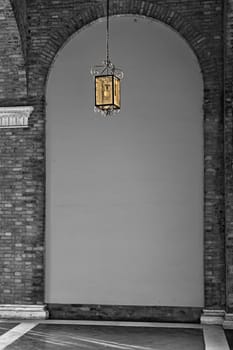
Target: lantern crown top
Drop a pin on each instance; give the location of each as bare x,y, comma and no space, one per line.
107,68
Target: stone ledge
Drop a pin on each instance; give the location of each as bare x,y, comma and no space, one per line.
16,311
215,317
228,321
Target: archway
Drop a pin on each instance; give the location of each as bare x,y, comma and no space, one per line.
132,185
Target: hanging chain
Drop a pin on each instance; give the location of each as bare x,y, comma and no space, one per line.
107,37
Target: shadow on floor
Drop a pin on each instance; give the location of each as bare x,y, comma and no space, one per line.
229,336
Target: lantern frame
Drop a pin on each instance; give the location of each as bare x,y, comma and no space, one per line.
113,104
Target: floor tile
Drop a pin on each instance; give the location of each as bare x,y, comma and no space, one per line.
15,333
215,338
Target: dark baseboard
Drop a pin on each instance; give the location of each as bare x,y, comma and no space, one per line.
124,313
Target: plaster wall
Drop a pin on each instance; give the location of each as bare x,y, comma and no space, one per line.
124,220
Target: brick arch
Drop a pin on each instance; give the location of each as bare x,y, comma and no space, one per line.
198,42
214,245
12,71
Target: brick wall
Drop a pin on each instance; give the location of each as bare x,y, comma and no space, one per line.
228,131
47,27
20,11
12,64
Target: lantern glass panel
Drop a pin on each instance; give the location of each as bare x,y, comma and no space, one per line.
104,90
117,95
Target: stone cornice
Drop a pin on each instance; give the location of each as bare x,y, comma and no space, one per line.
15,117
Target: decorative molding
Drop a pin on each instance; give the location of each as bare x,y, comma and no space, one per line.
215,317
15,117
228,321
30,312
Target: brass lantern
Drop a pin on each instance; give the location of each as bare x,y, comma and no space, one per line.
107,92
107,82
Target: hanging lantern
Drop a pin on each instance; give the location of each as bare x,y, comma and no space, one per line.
107,82
107,92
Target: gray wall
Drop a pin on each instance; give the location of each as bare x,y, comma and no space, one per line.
124,195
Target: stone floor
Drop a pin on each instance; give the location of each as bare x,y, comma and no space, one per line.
89,336
6,326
